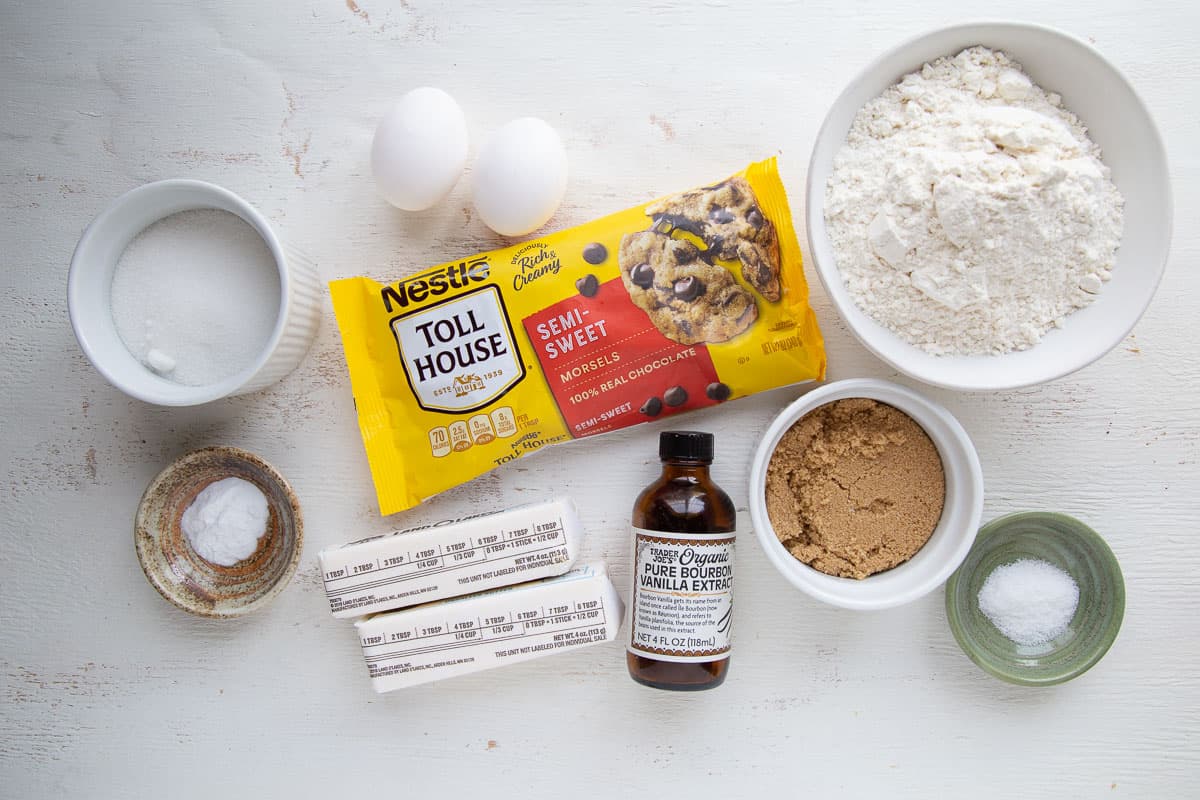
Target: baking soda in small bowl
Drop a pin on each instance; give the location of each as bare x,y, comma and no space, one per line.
226,520
195,296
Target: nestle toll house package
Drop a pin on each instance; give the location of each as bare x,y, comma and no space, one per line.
688,301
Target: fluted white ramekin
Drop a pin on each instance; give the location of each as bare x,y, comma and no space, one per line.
89,290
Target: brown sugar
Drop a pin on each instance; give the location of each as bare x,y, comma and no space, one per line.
855,487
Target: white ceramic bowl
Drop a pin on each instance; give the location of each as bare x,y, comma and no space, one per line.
1116,119
946,548
89,289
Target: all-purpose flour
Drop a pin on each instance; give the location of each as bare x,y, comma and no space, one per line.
969,212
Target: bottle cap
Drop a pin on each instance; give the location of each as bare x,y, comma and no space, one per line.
685,446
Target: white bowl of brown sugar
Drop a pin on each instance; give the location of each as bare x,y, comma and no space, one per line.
865,494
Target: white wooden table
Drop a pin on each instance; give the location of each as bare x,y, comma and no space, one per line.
107,691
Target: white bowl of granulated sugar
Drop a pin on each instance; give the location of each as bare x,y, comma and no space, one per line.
989,206
180,293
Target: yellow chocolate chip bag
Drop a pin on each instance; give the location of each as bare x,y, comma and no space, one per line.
688,301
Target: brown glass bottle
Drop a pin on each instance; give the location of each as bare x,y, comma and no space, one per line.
683,576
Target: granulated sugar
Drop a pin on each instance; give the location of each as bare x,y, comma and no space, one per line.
1030,601
195,296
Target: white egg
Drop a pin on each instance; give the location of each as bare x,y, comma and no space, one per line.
420,149
520,177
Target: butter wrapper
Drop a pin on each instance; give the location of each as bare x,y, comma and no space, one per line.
482,631
451,558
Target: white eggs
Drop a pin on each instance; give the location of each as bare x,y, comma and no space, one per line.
519,177
420,149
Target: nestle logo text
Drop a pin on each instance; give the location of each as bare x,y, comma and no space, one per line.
435,283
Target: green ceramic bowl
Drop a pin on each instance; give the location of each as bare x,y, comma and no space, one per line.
1069,545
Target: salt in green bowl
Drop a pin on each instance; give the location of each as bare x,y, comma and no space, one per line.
1069,545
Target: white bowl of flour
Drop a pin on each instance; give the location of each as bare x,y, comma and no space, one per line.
994,218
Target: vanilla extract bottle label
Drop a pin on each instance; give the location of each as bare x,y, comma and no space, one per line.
682,605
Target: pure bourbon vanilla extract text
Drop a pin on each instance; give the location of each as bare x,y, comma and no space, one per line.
681,610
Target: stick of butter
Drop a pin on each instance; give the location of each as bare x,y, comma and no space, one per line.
451,558
481,631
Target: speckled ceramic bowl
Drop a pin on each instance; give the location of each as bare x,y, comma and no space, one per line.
1069,545
186,579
